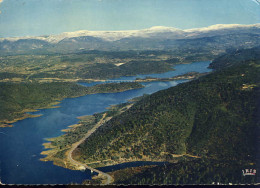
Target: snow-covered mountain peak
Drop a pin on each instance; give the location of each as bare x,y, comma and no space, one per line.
162,28
155,31
221,27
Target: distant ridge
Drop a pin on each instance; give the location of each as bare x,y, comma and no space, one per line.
223,26
170,32
215,38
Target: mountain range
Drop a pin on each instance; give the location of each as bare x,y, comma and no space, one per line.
158,38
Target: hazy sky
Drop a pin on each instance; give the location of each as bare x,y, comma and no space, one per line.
40,17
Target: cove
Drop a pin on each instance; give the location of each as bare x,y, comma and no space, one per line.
21,145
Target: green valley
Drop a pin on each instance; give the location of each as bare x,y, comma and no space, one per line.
87,66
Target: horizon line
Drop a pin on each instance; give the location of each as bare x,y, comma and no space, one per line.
133,30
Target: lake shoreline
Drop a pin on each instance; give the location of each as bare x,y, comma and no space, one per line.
24,113
52,150
5,124
73,108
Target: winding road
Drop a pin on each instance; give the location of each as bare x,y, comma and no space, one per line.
75,145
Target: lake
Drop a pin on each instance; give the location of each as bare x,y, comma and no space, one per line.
21,145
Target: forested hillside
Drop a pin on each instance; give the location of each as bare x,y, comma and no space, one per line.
212,117
197,171
235,57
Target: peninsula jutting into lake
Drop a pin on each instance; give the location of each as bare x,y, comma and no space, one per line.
147,99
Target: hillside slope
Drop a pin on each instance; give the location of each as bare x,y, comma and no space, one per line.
235,57
212,118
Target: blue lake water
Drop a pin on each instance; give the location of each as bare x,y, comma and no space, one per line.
179,70
21,145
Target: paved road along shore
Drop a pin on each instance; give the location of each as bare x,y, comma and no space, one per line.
75,145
